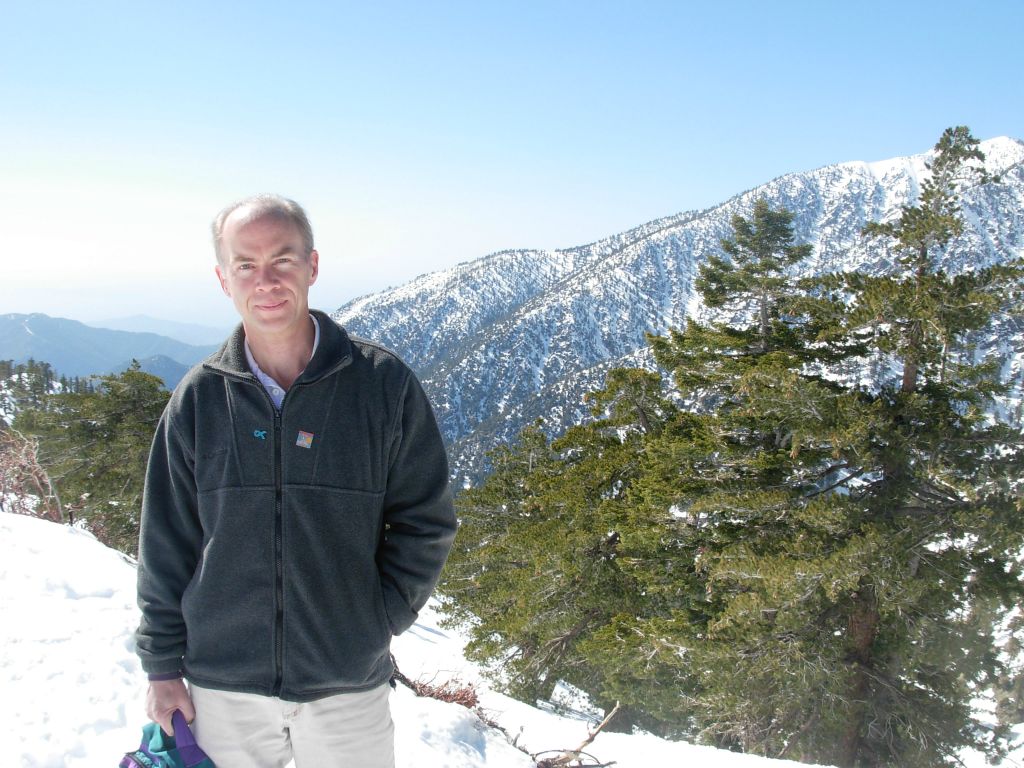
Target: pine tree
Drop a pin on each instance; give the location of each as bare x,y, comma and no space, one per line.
944,490
94,445
533,570
600,515
855,546
782,560
749,479
926,312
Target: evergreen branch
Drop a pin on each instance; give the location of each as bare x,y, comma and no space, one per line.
852,476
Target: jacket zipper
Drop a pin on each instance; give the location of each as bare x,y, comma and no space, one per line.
279,522
278,561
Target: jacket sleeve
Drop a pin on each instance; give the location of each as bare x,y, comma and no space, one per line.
419,516
170,540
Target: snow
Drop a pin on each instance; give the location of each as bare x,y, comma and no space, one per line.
892,168
74,689
72,692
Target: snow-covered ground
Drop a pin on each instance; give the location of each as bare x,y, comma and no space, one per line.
73,690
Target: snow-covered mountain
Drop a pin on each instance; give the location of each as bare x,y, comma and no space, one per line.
518,335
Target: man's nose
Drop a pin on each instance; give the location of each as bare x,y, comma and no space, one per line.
266,277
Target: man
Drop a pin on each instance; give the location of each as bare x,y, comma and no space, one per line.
296,516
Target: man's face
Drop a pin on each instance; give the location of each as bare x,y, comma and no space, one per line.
266,273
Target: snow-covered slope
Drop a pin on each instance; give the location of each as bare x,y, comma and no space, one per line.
73,690
523,334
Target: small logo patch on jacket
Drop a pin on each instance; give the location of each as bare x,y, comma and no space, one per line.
260,434
304,440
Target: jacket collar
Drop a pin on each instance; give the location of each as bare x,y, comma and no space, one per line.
333,352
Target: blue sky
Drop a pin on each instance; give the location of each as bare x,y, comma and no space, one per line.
419,135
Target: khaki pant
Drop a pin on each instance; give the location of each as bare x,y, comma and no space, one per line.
245,730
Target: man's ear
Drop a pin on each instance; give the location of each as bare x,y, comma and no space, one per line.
314,260
223,282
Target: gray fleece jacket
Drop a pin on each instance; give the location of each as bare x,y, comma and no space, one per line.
280,551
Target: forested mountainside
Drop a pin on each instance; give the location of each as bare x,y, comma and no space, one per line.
524,334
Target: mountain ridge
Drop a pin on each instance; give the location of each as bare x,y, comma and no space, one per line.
189,333
523,334
74,348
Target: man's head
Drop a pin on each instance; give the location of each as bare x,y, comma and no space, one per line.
266,263
256,207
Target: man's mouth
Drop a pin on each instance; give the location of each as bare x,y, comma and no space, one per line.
278,305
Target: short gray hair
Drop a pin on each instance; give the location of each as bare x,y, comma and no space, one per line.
261,206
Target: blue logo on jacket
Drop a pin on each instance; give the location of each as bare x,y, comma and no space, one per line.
260,434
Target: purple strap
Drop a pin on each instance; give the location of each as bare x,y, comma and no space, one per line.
190,752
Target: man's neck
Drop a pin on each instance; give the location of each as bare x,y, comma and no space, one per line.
282,357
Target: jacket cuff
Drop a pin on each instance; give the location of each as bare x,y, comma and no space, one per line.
172,666
159,677
400,615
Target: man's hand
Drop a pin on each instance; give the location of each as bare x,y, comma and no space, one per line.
165,696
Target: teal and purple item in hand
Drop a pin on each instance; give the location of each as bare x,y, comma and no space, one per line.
158,750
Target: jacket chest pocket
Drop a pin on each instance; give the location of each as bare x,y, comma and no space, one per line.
216,469
354,462
225,466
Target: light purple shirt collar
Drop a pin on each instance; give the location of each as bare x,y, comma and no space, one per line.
275,390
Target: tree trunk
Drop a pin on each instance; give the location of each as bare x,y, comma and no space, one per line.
916,332
862,629
909,383
764,324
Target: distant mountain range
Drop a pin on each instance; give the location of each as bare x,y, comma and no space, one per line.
190,333
523,334
77,349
